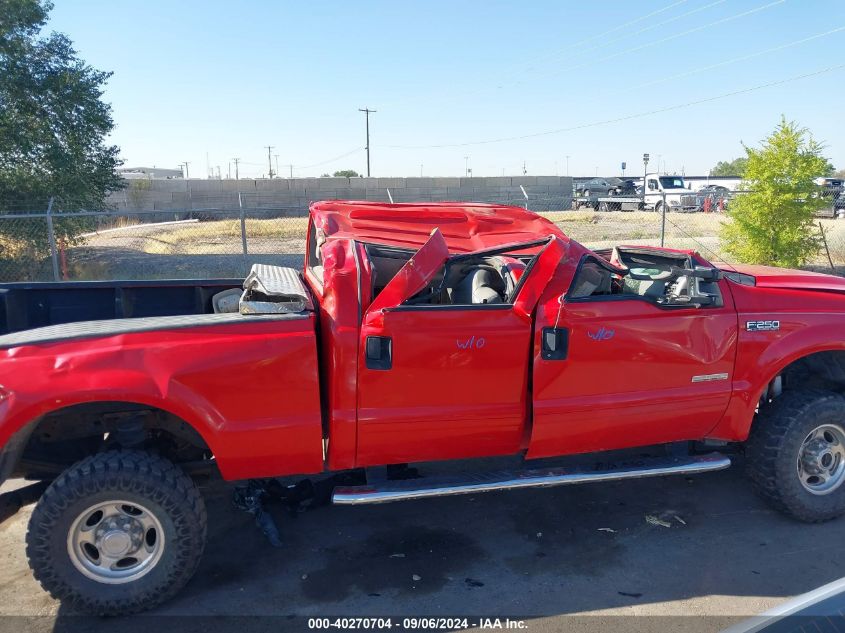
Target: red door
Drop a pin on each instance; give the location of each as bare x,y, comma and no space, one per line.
635,374
442,382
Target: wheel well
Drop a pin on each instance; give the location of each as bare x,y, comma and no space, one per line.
67,435
822,370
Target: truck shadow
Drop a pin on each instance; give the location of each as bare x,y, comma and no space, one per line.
568,550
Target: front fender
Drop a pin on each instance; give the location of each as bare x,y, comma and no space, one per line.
761,356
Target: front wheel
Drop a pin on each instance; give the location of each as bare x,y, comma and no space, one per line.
117,533
796,455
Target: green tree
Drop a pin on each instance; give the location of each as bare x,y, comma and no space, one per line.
773,223
346,173
53,121
735,167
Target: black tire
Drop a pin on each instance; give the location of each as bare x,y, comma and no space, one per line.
604,207
658,208
137,477
773,447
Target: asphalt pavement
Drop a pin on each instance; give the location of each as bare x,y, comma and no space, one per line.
701,546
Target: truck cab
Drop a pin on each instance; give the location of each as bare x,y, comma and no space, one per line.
669,190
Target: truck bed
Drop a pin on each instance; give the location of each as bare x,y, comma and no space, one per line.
29,305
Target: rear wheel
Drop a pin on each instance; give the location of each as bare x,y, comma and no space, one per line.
796,455
659,207
117,533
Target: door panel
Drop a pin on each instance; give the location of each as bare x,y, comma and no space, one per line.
635,374
446,382
456,387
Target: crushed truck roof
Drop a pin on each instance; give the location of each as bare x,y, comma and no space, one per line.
466,227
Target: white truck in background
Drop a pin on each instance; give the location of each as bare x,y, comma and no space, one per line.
669,190
656,191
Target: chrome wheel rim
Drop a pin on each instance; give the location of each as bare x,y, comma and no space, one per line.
115,542
821,459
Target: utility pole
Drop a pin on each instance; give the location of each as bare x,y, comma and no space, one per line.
270,159
276,156
367,112
187,174
524,169
290,166
466,165
236,161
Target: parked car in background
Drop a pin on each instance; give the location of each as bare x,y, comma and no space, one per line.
596,187
712,198
625,187
589,192
833,190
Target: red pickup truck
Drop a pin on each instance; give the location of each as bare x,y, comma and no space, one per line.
415,333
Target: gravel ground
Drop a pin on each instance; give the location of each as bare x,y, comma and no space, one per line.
545,555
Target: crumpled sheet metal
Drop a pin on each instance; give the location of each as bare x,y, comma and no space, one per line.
274,290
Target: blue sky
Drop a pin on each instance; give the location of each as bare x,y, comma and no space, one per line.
224,79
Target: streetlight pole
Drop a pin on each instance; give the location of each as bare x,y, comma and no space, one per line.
367,112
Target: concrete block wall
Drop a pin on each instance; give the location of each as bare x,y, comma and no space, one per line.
292,195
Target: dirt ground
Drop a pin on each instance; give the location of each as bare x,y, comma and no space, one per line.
548,556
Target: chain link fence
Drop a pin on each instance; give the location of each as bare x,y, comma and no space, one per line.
63,243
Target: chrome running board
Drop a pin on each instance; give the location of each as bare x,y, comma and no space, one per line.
387,491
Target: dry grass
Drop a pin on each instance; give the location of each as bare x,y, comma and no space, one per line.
696,231
214,237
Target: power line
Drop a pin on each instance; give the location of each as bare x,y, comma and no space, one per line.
737,59
529,62
558,71
626,117
668,38
325,162
631,34
617,28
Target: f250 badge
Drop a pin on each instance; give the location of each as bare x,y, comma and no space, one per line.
762,326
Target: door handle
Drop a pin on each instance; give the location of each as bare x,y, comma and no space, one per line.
555,345
379,352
